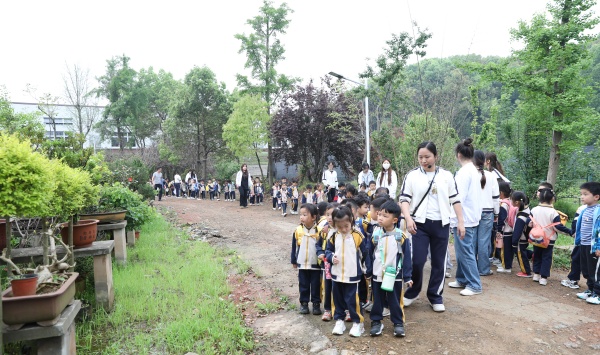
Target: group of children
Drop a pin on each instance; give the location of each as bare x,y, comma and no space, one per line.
345,249
212,190
354,251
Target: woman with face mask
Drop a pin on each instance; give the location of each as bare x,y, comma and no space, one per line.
387,178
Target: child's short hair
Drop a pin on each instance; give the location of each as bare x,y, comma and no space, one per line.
331,205
351,189
361,199
592,186
341,184
312,209
382,190
350,202
322,208
341,213
362,185
546,196
504,187
392,208
546,185
378,202
521,197
372,182
309,187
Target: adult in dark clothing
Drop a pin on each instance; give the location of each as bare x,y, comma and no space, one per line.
243,181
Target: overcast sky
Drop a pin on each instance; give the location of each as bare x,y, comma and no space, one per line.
323,36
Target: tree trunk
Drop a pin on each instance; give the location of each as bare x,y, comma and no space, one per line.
554,160
262,175
198,155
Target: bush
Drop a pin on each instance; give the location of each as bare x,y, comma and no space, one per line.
118,197
566,205
147,191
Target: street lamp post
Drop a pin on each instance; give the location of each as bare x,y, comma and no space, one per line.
367,133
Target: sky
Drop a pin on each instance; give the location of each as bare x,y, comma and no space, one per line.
41,37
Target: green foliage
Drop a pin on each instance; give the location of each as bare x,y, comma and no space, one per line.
147,191
27,181
171,300
117,197
70,150
24,125
98,169
226,168
568,206
398,141
247,131
130,172
74,190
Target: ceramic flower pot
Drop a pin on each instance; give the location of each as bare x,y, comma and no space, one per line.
84,232
105,217
25,285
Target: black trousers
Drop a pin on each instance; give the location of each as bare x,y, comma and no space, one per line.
328,284
542,260
309,283
345,297
575,273
331,194
393,299
244,192
430,235
177,189
590,268
160,190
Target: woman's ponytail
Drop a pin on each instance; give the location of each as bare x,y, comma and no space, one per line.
479,161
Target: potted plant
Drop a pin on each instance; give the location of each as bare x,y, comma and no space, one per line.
28,184
119,197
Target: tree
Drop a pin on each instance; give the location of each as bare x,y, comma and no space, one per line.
548,74
198,116
264,51
117,86
247,129
47,104
78,94
313,125
23,125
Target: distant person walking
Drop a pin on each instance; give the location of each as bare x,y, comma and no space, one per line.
366,175
157,181
387,178
177,183
243,181
330,181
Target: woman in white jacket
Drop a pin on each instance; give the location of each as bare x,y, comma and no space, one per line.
387,178
243,181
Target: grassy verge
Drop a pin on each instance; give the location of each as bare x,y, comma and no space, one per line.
170,299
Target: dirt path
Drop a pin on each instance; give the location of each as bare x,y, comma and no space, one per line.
512,315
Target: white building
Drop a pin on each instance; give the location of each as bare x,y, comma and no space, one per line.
64,117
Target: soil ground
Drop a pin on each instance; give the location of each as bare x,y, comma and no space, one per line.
513,315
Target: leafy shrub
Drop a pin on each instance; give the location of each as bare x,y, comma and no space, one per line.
567,206
147,191
27,181
117,197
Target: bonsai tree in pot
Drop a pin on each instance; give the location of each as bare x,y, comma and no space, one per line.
118,196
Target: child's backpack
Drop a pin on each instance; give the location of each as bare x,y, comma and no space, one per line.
538,235
512,213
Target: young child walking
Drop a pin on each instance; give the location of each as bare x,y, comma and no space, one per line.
258,192
347,253
517,243
545,215
392,257
304,258
274,193
283,195
328,231
588,236
295,196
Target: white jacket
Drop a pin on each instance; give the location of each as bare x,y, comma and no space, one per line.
469,187
416,184
491,193
330,178
238,180
384,182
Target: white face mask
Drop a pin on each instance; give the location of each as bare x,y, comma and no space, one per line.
386,166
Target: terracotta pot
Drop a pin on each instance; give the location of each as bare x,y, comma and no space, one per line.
105,217
137,234
25,285
2,234
37,308
84,232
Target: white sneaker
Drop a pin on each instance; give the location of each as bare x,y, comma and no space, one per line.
502,270
357,330
438,307
385,312
594,299
536,277
448,274
468,292
584,295
569,283
339,328
455,284
408,301
543,282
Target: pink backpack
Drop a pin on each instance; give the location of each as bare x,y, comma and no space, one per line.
512,213
538,235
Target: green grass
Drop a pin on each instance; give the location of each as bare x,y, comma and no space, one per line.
171,298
